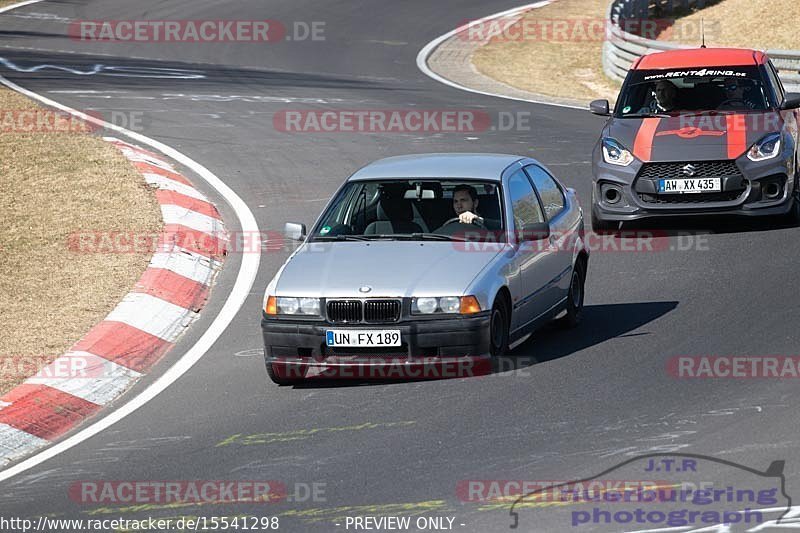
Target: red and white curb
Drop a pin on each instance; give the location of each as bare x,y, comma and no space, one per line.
138,331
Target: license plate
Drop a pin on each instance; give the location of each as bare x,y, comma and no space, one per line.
353,338
689,185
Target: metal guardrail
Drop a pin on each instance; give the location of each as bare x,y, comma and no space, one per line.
622,48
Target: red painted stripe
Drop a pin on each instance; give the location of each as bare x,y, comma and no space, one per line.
124,345
44,411
147,167
737,135
195,241
643,145
193,204
173,288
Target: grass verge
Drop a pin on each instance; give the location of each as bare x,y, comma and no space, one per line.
551,61
562,63
52,185
746,24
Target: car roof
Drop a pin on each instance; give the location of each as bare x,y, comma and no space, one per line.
461,166
700,57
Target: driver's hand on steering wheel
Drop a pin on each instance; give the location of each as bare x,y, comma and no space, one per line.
468,217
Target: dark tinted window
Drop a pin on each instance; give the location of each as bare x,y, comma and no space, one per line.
654,92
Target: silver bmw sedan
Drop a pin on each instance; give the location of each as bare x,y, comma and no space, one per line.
426,266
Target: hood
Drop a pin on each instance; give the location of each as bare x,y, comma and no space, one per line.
700,137
391,268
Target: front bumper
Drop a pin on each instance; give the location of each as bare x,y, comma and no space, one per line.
742,194
446,347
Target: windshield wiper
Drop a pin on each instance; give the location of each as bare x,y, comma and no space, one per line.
415,237
647,115
437,237
340,238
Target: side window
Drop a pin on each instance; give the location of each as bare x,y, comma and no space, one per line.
549,191
777,86
524,204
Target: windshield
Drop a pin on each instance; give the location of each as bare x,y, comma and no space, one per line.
672,92
413,209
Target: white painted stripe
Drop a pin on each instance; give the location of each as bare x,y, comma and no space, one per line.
237,295
134,153
153,315
427,50
15,443
187,264
141,157
165,183
87,376
175,214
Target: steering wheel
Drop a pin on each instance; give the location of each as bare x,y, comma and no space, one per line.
456,219
733,101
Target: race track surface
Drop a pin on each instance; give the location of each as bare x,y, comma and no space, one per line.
583,401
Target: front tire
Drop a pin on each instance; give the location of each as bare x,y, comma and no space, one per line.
575,296
498,328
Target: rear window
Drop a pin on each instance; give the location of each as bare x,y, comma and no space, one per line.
672,92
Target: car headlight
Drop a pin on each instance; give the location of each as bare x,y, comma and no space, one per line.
766,148
616,154
284,305
445,305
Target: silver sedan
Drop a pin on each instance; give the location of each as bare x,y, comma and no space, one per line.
426,259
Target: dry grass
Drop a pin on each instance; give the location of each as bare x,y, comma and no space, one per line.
756,24
572,68
54,184
562,67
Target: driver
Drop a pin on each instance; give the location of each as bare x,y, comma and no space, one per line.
465,203
736,92
666,98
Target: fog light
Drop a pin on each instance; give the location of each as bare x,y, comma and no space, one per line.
772,190
612,195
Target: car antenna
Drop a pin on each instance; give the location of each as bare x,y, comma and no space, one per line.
702,32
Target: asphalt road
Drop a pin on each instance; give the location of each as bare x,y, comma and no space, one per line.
580,402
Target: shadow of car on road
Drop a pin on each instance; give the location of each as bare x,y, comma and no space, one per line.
600,323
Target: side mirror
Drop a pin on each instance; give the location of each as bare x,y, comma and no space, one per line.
294,231
534,232
600,107
792,101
